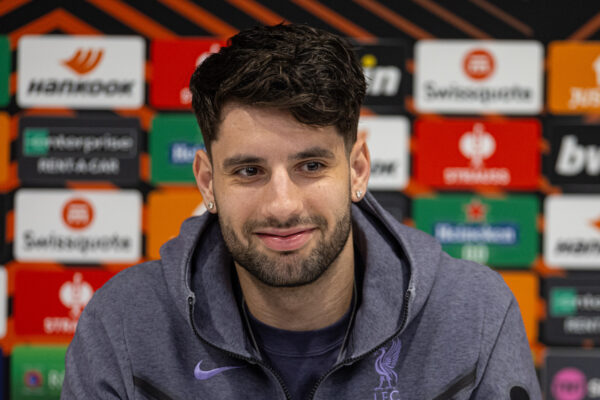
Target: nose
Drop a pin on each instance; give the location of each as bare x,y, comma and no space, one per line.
282,196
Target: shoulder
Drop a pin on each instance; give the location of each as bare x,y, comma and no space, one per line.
475,287
126,289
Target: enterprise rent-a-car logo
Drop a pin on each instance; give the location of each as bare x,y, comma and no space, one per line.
80,71
478,76
53,150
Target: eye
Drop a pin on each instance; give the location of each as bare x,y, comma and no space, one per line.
312,166
247,171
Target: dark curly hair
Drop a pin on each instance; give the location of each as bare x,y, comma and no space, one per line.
311,73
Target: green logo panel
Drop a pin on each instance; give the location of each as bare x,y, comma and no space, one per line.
174,140
499,232
35,142
37,372
5,56
563,301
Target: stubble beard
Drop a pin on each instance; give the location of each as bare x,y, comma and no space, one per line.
288,268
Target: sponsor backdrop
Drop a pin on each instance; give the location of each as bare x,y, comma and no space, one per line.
481,117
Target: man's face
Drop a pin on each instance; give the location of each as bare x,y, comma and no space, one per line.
282,192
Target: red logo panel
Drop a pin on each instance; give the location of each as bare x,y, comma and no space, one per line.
64,295
467,153
173,62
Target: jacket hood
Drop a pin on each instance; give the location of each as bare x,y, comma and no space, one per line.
399,264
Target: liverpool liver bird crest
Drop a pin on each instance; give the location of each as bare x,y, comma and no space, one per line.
385,364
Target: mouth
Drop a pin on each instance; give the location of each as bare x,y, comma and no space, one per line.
285,239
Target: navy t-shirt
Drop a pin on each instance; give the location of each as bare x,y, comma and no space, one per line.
300,357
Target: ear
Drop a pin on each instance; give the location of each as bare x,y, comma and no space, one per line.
204,179
360,168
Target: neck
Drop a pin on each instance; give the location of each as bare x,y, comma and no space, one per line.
308,307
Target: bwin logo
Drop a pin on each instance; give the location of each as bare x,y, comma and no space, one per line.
573,158
381,80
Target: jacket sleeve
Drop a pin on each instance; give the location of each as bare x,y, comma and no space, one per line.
508,372
96,364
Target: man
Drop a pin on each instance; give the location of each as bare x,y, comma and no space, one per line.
296,284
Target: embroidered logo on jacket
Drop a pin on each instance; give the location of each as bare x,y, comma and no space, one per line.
202,375
384,365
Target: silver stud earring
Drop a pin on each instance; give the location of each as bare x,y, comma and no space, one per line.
210,205
358,194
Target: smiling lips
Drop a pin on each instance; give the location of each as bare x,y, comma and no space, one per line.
285,239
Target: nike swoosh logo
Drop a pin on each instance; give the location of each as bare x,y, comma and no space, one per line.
202,375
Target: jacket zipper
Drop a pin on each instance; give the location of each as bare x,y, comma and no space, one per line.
238,356
353,360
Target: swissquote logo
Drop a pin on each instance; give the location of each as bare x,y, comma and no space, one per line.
575,154
77,226
479,64
78,213
572,238
81,71
478,76
387,137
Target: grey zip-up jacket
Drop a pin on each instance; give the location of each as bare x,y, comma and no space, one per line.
426,326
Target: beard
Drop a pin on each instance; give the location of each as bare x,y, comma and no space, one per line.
288,268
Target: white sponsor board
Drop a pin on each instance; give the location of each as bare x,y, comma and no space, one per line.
3,301
82,226
478,76
572,231
81,71
388,142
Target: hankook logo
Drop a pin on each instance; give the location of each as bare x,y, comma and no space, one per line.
81,71
83,62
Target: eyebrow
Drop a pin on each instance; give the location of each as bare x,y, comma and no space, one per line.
313,152
241,159
244,159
